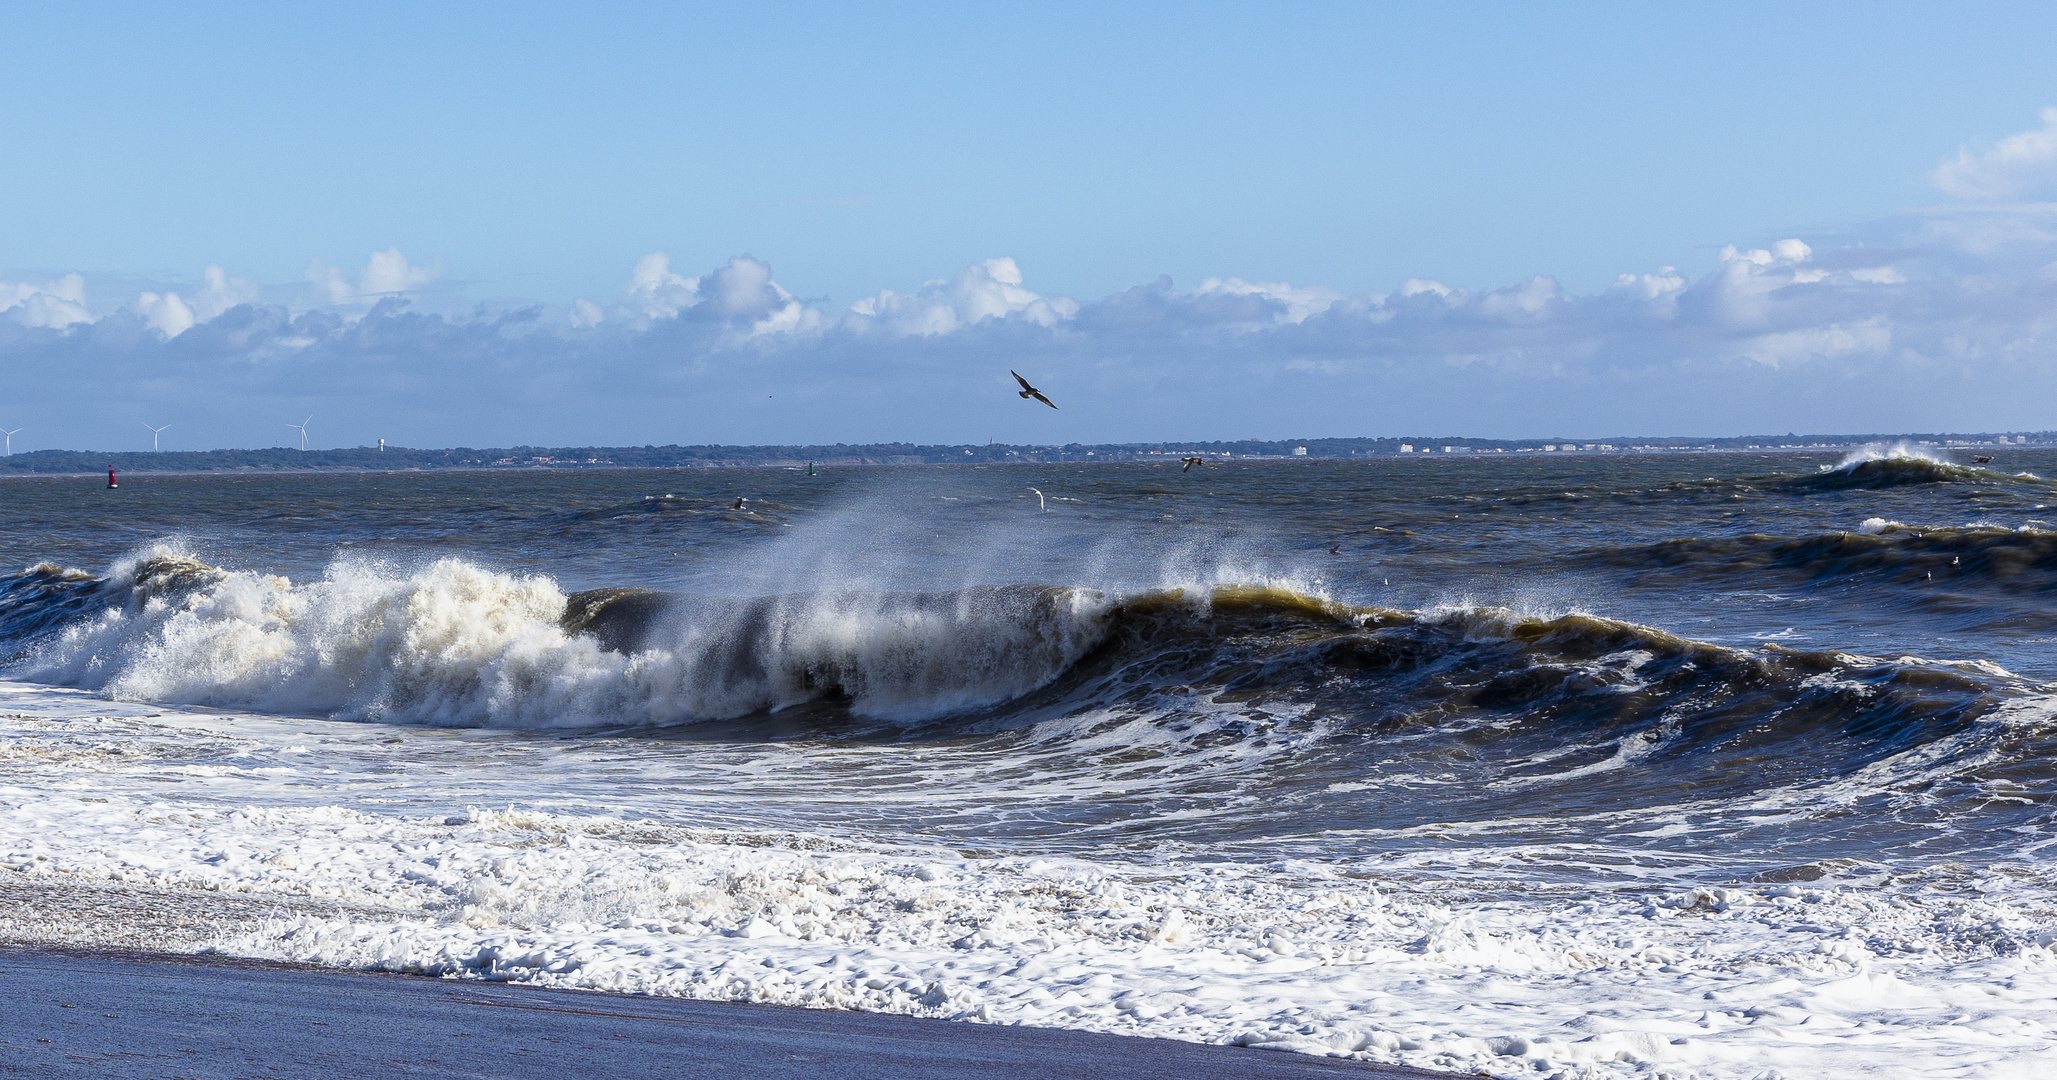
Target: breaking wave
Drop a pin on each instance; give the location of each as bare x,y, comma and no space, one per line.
1893,466
450,643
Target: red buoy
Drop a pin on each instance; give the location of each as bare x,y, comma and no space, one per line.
110,477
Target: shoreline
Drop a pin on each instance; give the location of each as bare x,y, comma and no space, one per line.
1167,462
115,1013
368,460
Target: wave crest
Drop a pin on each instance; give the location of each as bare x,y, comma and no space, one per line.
452,643
1890,466
2023,559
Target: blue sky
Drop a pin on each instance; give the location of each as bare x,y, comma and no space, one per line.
937,193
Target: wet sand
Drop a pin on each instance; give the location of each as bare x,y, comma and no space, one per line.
140,1015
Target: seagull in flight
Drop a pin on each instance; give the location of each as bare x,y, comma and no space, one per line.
1190,462
1028,391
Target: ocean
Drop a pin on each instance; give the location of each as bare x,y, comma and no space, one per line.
1679,765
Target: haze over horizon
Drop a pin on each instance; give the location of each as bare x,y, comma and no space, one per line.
651,225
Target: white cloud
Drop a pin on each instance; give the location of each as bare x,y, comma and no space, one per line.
742,288
1525,302
1294,304
657,293
1747,280
1783,253
991,289
1665,283
1940,316
221,293
1871,337
52,304
167,314
172,315
386,273
2019,167
740,295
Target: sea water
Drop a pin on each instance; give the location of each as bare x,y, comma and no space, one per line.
1671,765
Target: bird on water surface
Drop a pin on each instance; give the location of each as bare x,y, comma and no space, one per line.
1028,391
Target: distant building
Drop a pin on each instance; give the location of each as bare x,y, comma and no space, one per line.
1299,451
1406,447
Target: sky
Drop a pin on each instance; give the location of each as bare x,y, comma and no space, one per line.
625,224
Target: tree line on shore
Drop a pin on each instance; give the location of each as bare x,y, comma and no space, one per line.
661,457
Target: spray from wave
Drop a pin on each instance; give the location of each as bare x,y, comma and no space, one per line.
452,643
1881,466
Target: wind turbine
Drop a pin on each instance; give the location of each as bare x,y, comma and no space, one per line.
10,439
154,433
302,425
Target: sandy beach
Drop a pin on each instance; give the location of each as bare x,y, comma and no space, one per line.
136,1015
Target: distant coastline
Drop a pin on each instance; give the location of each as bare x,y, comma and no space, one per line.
403,459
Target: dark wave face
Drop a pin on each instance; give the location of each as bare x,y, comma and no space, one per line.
1889,472
37,603
2010,560
739,509
1407,721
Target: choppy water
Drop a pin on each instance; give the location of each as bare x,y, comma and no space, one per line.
1598,737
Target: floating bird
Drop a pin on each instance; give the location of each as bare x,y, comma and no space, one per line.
1335,549
1028,391
1983,460
1190,462
739,504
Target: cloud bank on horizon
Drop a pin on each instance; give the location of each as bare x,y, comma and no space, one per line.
1937,318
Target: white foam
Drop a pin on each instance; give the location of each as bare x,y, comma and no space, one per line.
1354,957
1899,451
454,644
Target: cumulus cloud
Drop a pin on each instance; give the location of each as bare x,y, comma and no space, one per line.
50,304
991,289
739,295
386,273
2020,167
657,293
1282,303
171,314
166,314
1872,337
1939,317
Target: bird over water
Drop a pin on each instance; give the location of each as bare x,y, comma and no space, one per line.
1028,391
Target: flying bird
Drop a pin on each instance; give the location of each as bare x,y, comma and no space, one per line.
1190,462
1028,391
